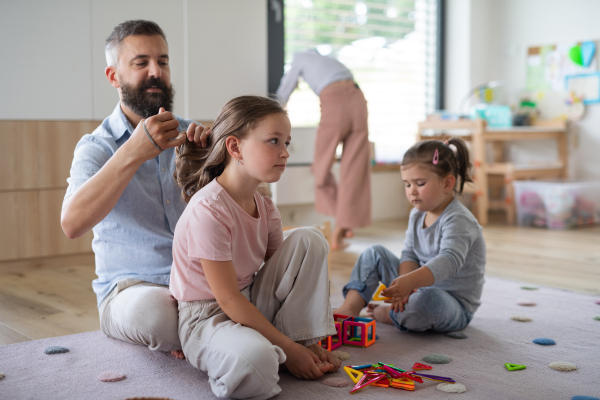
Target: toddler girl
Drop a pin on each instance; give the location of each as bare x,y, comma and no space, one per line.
437,282
238,321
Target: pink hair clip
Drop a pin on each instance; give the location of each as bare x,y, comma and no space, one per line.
436,157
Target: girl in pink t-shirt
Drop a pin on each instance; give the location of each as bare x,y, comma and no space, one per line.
238,321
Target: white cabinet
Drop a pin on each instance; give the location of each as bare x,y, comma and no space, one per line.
53,54
106,14
227,53
46,60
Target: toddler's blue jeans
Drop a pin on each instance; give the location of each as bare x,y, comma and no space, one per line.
429,308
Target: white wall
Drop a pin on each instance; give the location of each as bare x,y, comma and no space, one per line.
53,54
497,34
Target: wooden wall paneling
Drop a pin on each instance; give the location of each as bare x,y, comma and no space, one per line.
38,154
30,223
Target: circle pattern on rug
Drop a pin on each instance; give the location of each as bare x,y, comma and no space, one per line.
436,359
111,377
340,355
56,350
562,366
457,335
520,318
336,382
544,341
452,387
526,303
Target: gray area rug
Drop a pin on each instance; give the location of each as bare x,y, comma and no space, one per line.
477,362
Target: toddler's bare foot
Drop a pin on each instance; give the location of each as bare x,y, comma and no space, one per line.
178,354
379,313
346,311
326,356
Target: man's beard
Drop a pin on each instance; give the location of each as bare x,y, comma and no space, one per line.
146,104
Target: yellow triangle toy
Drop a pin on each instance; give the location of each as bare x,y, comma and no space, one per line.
377,296
353,374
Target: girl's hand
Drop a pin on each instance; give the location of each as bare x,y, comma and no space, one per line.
304,363
404,301
398,291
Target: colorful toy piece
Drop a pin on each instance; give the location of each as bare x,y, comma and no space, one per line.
359,332
366,380
418,366
402,383
514,367
377,296
354,374
335,341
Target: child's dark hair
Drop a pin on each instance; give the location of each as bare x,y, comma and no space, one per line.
448,161
196,167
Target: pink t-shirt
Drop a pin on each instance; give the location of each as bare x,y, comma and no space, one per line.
214,227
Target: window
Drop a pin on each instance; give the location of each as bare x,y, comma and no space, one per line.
390,47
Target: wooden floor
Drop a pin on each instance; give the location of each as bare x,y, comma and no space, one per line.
53,296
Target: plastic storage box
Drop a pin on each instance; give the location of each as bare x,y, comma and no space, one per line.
557,204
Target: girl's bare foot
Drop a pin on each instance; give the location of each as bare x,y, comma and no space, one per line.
178,354
326,356
379,313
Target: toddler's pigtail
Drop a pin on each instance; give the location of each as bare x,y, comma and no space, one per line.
463,162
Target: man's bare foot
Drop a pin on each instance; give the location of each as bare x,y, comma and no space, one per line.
328,357
379,313
178,354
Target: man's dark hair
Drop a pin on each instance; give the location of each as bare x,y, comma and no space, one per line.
128,28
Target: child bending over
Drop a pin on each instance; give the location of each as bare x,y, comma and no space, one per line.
437,282
238,321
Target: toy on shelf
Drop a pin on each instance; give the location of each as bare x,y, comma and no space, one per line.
387,375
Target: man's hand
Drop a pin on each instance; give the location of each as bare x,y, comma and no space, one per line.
162,127
198,134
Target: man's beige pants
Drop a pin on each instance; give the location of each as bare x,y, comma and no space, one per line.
291,291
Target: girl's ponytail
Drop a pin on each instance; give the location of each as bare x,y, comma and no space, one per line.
463,162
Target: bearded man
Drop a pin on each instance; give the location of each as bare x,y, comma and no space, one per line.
122,187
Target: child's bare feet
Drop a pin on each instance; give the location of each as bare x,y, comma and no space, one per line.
326,356
178,354
379,313
346,311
